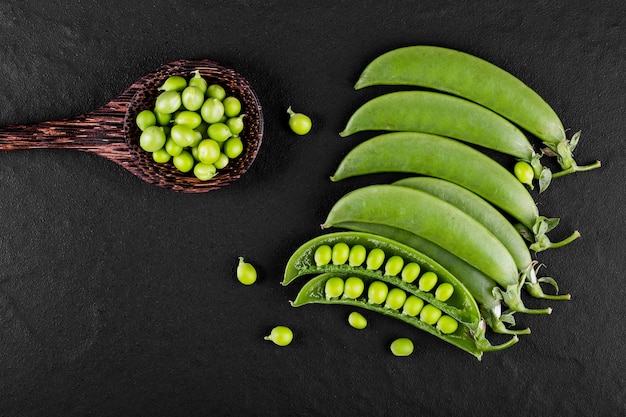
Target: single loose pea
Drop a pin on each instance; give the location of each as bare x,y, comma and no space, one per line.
410,272
198,81
402,347
204,172
233,147
412,306
173,83
145,119
375,259
323,255
340,254
395,298
427,281
357,255
524,173
357,320
447,325
168,102
212,110
232,106
246,273
281,335
192,98
184,161
444,291
430,314
152,139
222,161
333,288
216,91
353,287
394,265
377,292
299,123
161,156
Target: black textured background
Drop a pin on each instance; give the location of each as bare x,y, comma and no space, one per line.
118,298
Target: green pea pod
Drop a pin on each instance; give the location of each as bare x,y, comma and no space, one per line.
488,216
470,340
444,115
461,305
475,79
444,158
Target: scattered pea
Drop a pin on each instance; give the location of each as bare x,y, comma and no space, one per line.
299,123
281,335
444,291
357,320
410,272
447,325
412,306
375,259
323,255
395,298
402,347
353,287
377,292
357,255
246,273
334,288
430,314
340,253
427,281
394,265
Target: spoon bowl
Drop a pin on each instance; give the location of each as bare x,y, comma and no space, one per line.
111,131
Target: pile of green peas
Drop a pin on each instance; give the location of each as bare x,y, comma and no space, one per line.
376,259
194,124
394,298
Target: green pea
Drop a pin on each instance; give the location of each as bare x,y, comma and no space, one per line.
152,139
198,81
172,147
375,259
208,151
246,272
412,306
340,253
402,347
192,98
233,147
377,292
394,265
183,135
212,110
299,123
184,161
333,288
395,299
410,272
197,138
219,131
444,291
235,124
216,91
232,106
163,119
357,255
447,325
222,161
145,119
524,173
353,287
173,83
430,314
161,156
188,118
428,281
323,255
168,102
204,172
357,320
281,335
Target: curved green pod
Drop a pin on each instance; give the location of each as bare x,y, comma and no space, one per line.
470,340
478,80
440,114
461,305
444,158
434,220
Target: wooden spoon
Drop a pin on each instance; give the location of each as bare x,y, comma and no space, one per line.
111,132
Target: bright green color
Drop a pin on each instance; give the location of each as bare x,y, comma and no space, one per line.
377,292
198,81
204,172
410,272
184,161
353,287
219,131
412,306
145,119
447,325
401,347
357,320
183,135
427,281
357,256
208,151
323,255
395,299
152,139
444,291
168,102
212,110
280,335
216,91
174,83
233,147
232,106
394,265
375,259
334,287
430,314
192,98
299,123
161,156
188,118
340,253
246,272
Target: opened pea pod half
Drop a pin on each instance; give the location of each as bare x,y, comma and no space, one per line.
377,295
